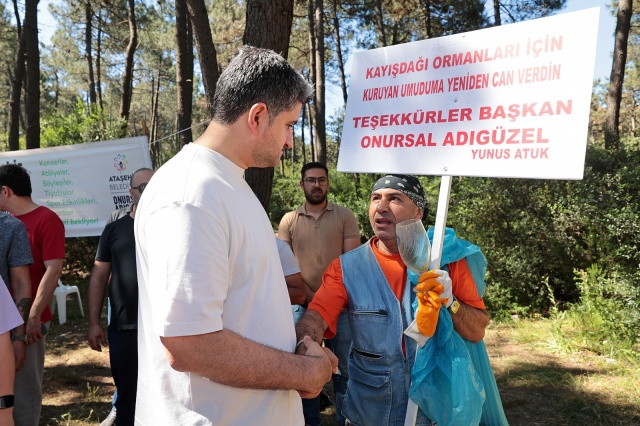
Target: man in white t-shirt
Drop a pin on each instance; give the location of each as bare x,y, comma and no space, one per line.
216,340
9,319
296,286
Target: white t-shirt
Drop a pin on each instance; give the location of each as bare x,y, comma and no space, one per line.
207,260
287,258
9,316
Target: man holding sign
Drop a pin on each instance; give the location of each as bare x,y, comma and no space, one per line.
372,282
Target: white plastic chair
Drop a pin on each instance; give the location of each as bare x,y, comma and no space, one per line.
60,295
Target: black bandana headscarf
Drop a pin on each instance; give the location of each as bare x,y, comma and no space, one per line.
408,185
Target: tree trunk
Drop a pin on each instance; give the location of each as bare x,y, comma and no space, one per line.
103,124
155,88
154,120
88,40
205,47
184,72
312,72
319,94
32,82
56,90
312,154
147,130
496,13
426,9
382,36
274,36
614,98
16,92
127,84
17,15
336,24
304,149
99,65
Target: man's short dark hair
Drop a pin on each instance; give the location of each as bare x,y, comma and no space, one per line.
313,165
17,178
258,75
141,169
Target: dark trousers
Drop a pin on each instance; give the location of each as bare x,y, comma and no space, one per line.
311,411
123,354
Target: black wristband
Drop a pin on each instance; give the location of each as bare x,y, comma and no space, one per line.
6,401
20,338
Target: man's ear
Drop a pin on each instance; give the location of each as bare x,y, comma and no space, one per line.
6,190
258,117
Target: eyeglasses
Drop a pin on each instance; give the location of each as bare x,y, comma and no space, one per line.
140,187
322,181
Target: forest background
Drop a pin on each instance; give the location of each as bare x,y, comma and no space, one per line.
561,249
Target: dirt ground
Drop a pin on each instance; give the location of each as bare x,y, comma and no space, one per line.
538,384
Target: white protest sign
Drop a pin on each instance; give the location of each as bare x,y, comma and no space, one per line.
83,183
507,101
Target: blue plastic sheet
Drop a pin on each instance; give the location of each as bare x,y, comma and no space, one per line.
442,363
444,383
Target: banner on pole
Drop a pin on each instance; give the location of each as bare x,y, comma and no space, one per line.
508,101
83,183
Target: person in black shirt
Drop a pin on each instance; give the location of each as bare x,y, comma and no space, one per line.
115,265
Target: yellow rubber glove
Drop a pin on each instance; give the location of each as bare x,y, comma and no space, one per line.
429,305
433,292
438,281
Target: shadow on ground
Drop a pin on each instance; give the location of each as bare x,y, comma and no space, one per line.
536,395
537,388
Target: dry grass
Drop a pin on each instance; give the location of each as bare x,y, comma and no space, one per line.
539,382
77,380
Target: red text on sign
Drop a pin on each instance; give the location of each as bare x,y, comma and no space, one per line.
533,109
417,117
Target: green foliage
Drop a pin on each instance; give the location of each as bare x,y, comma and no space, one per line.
81,253
606,319
510,220
501,304
523,10
391,22
534,230
227,27
81,125
353,190
8,45
286,194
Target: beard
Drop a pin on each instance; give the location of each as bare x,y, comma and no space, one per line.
315,198
266,154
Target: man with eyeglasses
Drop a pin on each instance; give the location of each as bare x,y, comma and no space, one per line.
124,211
115,215
115,265
319,232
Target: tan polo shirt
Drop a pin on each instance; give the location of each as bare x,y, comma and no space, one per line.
316,243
